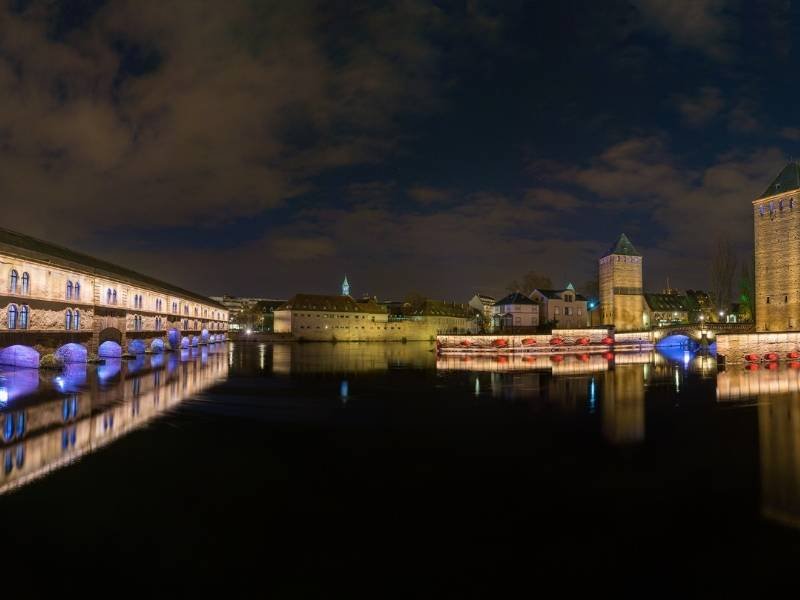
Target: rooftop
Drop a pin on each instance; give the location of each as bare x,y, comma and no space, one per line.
787,180
664,302
331,303
623,247
515,298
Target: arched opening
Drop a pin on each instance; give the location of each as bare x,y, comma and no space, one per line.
19,356
185,342
204,336
109,349
677,340
111,334
157,345
137,347
71,353
174,338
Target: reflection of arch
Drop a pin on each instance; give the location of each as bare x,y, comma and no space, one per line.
157,345
204,335
111,334
675,338
174,338
110,349
71,353
185,343
137,347
195,340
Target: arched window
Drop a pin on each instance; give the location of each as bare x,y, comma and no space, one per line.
12,316
69,290
12,281
77,291
114,297
68,320
23,317
26,284
108,296
76,320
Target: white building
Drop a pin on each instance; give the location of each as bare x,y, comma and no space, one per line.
566,307
515,310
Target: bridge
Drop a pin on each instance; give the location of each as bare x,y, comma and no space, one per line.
54,300
696,331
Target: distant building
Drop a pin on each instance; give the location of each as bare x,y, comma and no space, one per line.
777,253
701,307
666,309
443,317
484,304
345,287
241,313
515,310
565,307
621,299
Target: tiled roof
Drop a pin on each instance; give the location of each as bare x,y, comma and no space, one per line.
438,308
667,302
26,246
322,302
787,180
623,247
515,298
556,294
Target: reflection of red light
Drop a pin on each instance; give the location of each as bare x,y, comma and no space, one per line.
772,366
751,367
584,357
529,342
502,359
794,365
793,355
608,340
529,359
500,343
771,356
608,355
557,358
751,357
466,343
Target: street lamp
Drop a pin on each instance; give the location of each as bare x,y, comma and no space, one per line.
721,315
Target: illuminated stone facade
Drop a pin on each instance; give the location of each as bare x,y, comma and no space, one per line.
621,299
50,296
776,215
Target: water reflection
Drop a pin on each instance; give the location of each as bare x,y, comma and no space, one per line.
84,412
779,442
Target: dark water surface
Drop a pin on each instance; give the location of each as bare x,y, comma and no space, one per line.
319,470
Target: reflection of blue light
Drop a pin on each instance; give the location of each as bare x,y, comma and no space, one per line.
60,383
157,360
110,369
344,389
477,386
674,354
3,394
687,356
592,396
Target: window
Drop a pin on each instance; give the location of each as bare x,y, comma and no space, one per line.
767,299
174,307
68,320
557,311
108,296
761,210
12,316
26,284
69,290
77,291
12,282
23,317
76,320
114,297
785,299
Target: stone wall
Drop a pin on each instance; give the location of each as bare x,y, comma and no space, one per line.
777,263
734,346
623,310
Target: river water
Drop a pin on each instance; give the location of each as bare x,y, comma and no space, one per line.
320,469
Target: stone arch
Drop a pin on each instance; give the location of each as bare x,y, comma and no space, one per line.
72,353
109,349
110,334
174,338
157,345
137,347
185,343
19,356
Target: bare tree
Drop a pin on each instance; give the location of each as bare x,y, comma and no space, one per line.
747,290
723,271
531,281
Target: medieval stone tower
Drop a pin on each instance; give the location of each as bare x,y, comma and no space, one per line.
776,215
621,299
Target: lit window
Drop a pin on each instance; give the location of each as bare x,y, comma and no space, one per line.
114,297
68,320
69,290
12,282
77,291
108,296
12,316
76,320
23,317
26,284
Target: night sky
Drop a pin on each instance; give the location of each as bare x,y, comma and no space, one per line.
267,148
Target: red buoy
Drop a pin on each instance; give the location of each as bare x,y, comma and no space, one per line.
608,340
529,342
556,341
466,343
771,366
500,343
608,355
771,356
584,341
793,354
584,357
751,358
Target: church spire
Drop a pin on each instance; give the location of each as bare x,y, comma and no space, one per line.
345,287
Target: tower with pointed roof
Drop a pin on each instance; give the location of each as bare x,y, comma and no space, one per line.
345,287
621,299
776,215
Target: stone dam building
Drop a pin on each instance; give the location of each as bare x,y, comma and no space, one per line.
52,297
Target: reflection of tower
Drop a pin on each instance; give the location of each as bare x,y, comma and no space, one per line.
779,441
623,405
621,300
345,287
